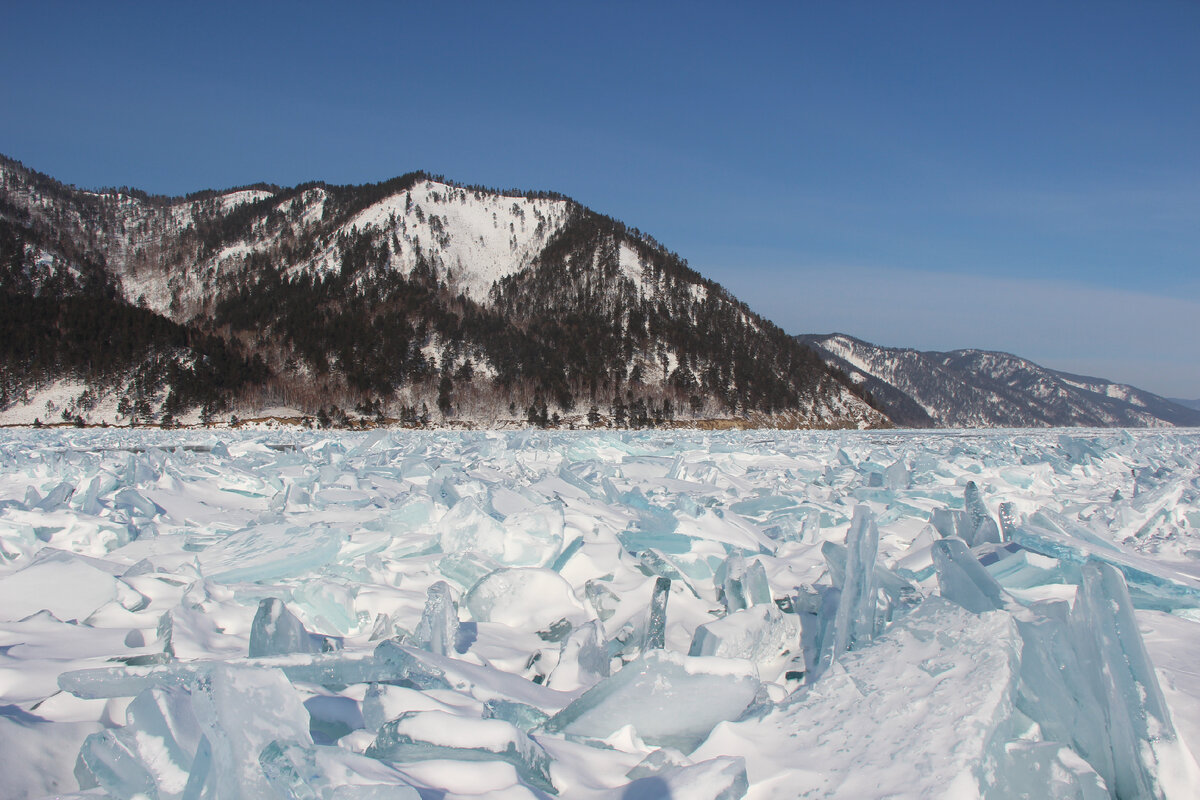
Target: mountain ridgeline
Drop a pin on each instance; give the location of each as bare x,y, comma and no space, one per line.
985,389
416,300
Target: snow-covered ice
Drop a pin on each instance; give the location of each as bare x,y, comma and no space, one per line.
222,614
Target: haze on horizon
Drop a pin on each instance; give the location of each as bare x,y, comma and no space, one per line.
1020,177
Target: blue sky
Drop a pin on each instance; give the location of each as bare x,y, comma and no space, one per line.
1015,176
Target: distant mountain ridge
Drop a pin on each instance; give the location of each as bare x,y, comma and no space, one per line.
980,388
412,299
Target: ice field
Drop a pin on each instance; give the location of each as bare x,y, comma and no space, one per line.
691,615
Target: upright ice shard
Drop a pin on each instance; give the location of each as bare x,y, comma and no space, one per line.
742,584
963,579
437,631
855,622
276,632
1147,755
656,626
981,526
897,476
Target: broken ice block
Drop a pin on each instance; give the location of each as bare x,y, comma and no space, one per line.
742,584
762,634
899,590
437,631
467,568
276,631
424,735
521,715
602,599
296,772
527,539
270,551
583,659
113,764
206,737
1152,584
897,476
963,580
658,694
524,598
153,753
1008,520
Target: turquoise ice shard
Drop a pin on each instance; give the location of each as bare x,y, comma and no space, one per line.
855,621
276,631
199,741
522,715
656,626
897,476
390,661
526,539
298,772
1144,747
425,735
1008,520
742,584
116,767
271,551
659,694
1054,691
437,631
602,599
963,580
583,659
981,526
900,591
155,751
240,711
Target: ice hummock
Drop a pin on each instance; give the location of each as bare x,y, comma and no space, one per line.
245,613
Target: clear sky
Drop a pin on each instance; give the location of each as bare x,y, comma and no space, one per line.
1021,176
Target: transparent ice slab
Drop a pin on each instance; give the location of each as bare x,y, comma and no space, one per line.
657,695
425,735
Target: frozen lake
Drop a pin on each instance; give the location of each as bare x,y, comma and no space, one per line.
599,615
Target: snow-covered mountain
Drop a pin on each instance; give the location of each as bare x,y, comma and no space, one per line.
410,299
980,388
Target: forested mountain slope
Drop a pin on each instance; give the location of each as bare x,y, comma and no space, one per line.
981,388
414,299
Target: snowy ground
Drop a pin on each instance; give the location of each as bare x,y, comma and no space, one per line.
603,615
